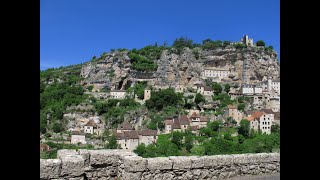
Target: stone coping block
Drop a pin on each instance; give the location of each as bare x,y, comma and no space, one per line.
159,163
180,162
224,160
104,157
85,155
273,157
205,162
64,152
254,158
240,159
72,165
134,163
50,168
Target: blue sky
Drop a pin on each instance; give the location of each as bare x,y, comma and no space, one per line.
72,31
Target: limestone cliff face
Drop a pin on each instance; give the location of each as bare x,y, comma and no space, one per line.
114,71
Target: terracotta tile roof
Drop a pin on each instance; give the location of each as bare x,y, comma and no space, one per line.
250,118
117,90
148,132
127,135
176,124
267,111
230,106
91,123
204,119
194,114
249,112
184,120
131,134
168,122
119,135
77,133
125,126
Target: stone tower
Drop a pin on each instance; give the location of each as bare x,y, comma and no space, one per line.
147,93
247,41
269,84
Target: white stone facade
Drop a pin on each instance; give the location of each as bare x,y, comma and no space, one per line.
75,139
213,72
117,94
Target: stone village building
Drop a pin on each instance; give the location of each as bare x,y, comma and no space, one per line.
128,138
261,121
78,137
232,111
91,127
183,122
117,94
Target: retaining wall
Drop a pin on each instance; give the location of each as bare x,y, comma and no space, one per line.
120,164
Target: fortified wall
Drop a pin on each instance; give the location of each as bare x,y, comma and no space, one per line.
120,164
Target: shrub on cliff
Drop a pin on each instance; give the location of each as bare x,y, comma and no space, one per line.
142,63
260,43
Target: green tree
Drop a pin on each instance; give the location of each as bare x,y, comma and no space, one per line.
217,88
163,98
112,142
227,88
90,87
188,141
140,149
177,138
241,107
260,43
244,128
198,150
57,127
199,98
275,128
215,125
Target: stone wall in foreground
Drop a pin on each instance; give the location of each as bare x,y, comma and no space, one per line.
120,164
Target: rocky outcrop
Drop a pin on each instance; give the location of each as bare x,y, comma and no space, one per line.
120,164
114,71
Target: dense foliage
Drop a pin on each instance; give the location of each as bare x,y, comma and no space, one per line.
260,43
64,91
213,140
163,98
114,109
141,63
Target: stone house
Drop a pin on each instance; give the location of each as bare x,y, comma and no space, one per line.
44,148
247,41
147,136
147,93
204,90
117,94
127,140
78,137
91,127
212,72
276,115
176,124
251,89
125,126
261,121
168,123
232,111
